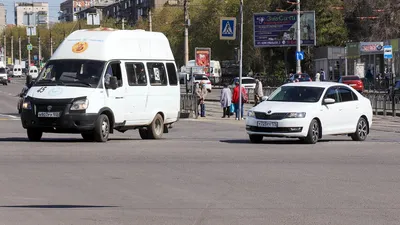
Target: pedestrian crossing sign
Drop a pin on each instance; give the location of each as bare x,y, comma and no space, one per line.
227,30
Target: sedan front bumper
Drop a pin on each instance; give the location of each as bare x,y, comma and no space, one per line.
293,127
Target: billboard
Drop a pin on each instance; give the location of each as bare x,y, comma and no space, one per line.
369,48
279,29
203,58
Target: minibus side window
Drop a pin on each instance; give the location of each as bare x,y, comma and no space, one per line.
157,74
136,74
172,76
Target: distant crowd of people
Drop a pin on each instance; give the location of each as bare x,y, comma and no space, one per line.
229,100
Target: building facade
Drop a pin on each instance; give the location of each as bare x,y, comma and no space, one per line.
69,8
3,17
36,13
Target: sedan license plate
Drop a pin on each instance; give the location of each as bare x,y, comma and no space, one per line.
49,114
267,124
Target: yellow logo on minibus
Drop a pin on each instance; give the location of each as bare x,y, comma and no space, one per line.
80,47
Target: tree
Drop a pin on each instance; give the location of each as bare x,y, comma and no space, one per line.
388,24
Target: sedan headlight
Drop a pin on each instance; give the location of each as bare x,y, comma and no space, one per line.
251,114
26,104
296,115
80,104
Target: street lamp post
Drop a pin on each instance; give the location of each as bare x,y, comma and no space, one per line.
298,41
240,61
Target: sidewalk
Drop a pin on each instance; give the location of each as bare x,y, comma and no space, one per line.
214,114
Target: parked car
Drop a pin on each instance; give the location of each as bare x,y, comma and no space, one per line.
201,79
353,81
247,82
3,76
302,77
309,111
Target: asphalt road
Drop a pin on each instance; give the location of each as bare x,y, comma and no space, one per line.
203,172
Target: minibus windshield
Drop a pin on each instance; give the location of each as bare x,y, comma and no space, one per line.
71,72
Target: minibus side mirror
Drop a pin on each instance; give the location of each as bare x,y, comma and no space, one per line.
113,83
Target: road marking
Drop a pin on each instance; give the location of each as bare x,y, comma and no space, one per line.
11,116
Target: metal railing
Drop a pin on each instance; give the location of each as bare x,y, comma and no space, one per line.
189,106
384,104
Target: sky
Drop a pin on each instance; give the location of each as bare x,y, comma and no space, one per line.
54,7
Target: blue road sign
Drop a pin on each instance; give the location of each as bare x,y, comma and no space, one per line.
300,55
227,28
387,52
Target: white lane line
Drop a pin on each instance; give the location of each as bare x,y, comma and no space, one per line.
10,116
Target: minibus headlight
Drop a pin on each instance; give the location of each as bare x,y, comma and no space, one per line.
26,104
80,104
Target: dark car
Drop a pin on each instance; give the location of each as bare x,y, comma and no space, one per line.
303,77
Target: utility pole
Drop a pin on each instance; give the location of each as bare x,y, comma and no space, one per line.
5,48
40,52
187,23
150,21
12,50
298,41
345,61
19,48
51,44
123,23
241,61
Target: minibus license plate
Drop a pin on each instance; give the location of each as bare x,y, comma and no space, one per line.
267,124
49,114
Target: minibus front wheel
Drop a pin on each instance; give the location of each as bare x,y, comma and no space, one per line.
102,128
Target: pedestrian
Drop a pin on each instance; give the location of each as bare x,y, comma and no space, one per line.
203,94
226,101
317,76
258,92
323,76
235,99
197,93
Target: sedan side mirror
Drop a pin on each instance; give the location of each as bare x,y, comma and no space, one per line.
264,98
328,101
113,83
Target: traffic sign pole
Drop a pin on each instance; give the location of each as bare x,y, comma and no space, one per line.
29,52
298,41
241,61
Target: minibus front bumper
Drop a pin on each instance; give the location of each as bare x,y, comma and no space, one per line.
57,120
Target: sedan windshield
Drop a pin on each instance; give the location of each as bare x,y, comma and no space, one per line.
82,73
296,94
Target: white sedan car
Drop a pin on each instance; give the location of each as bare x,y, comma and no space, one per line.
310,110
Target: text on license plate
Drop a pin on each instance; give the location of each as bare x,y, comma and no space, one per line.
267,124
49,114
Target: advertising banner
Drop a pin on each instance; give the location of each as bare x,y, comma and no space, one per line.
203,58
367,48
280,29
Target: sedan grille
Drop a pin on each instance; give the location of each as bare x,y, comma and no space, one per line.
273,116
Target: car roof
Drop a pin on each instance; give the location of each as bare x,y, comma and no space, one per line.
322,84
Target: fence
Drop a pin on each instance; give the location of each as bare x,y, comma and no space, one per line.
384,104
189,106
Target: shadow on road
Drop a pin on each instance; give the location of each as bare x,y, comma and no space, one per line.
62,140
279,142
56,206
